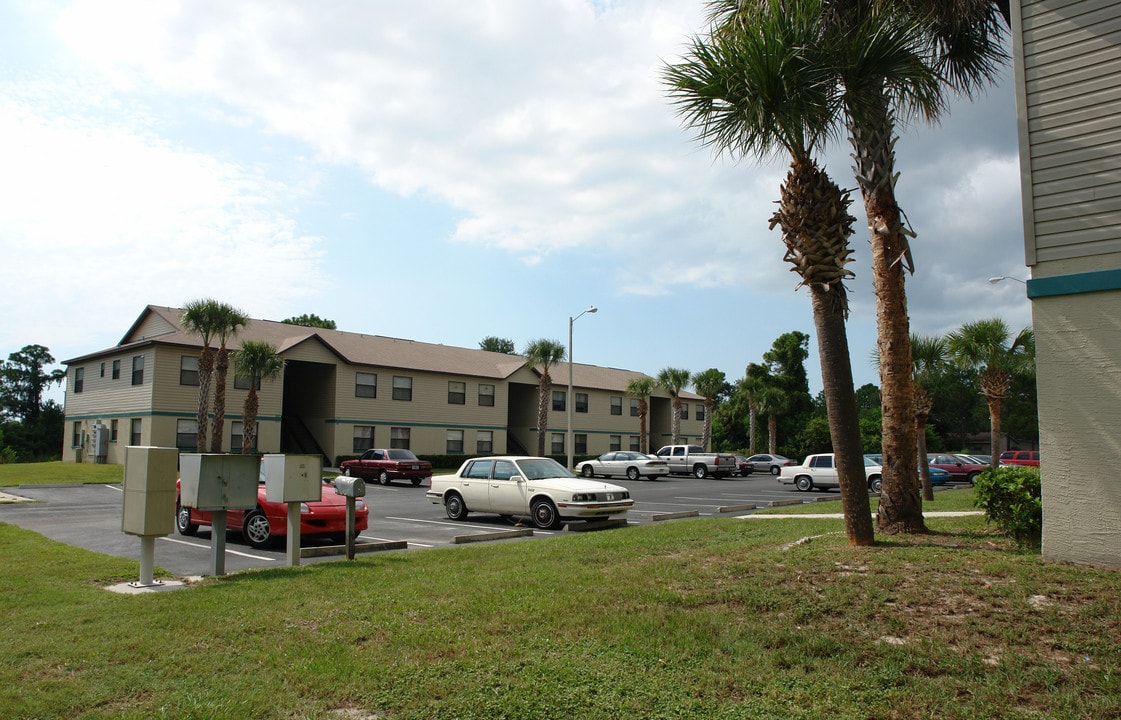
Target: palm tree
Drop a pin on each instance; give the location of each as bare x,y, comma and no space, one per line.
257,361
642,388
673,380
751,385
199,319
764,82
227,320
709,384
989,347
544,354
773,402
928,358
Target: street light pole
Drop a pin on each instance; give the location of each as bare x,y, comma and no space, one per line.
568,440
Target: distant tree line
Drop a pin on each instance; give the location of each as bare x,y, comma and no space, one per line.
30,429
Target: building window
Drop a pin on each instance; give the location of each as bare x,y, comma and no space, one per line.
581,443
399,438
557,444
116,369
486,395
700,412
484,442
457,393
189,370
582,402
363,438
616,405
634,444
187,435
112,431
684,411
558,400
102,373
79,379
455,442
402,388
634,407
134,431
76,436
138,370
615,442
365,385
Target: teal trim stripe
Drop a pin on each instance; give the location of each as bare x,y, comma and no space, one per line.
1076,284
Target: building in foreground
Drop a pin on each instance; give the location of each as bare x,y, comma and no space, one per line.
1068,93
343,392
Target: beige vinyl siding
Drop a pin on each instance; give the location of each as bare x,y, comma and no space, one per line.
150,326
1069,87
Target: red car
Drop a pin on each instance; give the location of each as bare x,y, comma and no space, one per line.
268,522
959,467
1020,457
384,465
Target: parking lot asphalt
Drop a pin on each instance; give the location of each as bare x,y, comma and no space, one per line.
89,516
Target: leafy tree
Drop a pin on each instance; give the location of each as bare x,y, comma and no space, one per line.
989,347
786,369
764,81
709,384
673,380
228,321
257,361
493,343
311,321
642,388
23,379
544,354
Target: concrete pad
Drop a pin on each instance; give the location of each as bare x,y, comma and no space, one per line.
134,588
8,499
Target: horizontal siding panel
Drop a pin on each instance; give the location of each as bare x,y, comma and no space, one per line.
1074,238
1036,8
1101,218
1084,91
1062,104
1062,251
1095,137
1076,22
1082,174
1075,114
1076,195
1070,152
1079,66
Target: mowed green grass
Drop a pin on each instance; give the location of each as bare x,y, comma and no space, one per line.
49,473
706,618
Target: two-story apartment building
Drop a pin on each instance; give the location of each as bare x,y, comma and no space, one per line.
341,393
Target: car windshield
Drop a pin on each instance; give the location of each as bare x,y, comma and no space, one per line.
539,468
399,454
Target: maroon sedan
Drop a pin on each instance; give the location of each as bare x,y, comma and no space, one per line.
267,523
960,469
386,465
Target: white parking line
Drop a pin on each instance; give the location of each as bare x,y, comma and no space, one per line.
481,529
207,546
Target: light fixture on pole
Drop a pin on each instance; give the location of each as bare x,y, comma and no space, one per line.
998,278
568,439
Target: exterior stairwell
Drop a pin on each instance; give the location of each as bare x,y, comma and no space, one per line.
296,438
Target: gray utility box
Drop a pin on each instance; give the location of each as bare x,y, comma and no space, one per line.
217,481
149,501
292,478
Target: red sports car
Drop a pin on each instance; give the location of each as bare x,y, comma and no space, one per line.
268,522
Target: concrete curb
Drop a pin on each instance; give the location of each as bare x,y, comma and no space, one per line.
484,537
363,547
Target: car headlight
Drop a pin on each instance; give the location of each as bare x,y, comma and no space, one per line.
583,497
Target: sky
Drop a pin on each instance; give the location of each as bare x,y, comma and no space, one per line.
442,171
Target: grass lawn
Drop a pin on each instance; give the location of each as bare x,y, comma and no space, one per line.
48,473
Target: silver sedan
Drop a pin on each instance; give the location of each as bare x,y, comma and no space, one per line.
624,463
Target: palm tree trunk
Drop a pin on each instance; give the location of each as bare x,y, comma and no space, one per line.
922,415
206,372
544,397
217,426
752,426
643,439
675,428
249,431
772,433
840,405
995,441
707,438
900,508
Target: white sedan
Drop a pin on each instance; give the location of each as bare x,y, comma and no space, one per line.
818,472
538,487
624,463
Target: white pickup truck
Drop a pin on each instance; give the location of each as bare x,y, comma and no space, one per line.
818,471
693,460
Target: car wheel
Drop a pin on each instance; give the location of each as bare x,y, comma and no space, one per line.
454,507
416,482
972,478
257,530
383,477
775,470
183,521
633,473
874,484
545,515
587,471
700,471
804,483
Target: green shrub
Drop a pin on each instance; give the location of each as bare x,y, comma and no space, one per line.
1010,496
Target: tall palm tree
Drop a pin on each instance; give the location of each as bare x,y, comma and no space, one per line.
709,384
751,385
199,319
764,81
642,388
773,403
544,354
257,361
989,347
227,320
929,357
673,380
